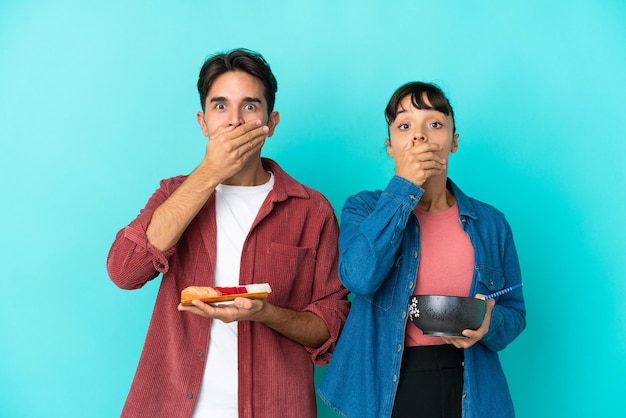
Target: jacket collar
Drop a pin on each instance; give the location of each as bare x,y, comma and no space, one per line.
284,185
466,206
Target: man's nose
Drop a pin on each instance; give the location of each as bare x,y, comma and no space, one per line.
235,118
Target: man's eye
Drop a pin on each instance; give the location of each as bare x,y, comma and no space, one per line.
220,106
250,107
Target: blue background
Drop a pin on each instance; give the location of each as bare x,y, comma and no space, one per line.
98,103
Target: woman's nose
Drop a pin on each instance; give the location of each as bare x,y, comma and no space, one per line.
419,137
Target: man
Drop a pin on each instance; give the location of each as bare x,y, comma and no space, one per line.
236,219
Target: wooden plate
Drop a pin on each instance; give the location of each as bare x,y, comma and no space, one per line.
227,298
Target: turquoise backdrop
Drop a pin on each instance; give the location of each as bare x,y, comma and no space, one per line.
98,103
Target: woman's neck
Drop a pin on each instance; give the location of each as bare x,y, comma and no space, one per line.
436,197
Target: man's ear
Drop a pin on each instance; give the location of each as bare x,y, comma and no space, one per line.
272,121
202,123
455,143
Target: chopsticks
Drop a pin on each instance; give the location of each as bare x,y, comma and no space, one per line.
503,291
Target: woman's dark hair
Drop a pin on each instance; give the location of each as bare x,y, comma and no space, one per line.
238,60
416,90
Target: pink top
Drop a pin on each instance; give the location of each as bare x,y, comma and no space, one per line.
292,245
446,263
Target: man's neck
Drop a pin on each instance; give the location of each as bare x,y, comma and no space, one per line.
252,174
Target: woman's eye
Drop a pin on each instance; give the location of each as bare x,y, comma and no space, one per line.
403,126
436,125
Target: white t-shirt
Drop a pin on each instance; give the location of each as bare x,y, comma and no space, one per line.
236,208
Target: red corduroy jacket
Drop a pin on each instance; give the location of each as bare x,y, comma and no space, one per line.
292,245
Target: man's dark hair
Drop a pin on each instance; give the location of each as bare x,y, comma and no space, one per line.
240,59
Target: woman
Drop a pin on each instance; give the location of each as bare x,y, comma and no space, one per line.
422,235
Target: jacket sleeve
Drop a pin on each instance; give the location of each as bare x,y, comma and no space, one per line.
330,299
372,229
132,261
508,318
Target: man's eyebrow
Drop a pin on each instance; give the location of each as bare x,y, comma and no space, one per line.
252,99
245,99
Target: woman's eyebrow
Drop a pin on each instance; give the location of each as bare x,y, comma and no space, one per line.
400,111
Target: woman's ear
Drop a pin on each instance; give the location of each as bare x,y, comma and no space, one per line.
389,149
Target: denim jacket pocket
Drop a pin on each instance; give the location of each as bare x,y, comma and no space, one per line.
488,280
383,297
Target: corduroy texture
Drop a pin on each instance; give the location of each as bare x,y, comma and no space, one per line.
292,245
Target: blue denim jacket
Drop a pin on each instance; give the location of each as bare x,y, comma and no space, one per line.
379,254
